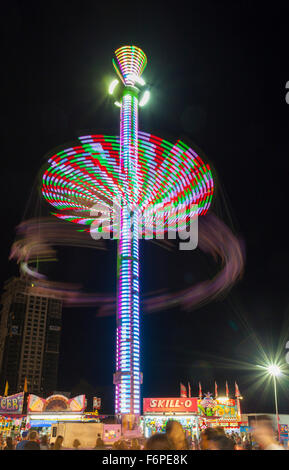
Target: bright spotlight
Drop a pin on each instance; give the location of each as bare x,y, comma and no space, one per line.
145,98
141,81
274,370
136,79
112,86
117,103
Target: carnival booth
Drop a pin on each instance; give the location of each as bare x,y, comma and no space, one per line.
12,421
158,411
43,413
221,411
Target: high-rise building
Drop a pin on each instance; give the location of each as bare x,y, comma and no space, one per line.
30,329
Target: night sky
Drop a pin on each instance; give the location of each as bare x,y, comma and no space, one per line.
218,71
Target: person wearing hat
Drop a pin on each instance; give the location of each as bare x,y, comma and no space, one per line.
21,444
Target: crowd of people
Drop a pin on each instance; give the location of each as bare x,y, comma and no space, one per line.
262,437
30,440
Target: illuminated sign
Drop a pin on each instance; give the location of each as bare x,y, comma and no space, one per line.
218,408
170,405
54,417
96,403
37,423
12,404
55,403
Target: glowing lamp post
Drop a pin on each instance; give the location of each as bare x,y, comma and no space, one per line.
275,371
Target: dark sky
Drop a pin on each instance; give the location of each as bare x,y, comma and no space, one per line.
218,71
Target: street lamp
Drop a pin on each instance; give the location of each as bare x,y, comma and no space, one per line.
275,371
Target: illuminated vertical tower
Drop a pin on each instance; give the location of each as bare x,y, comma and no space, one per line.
135,175
129,65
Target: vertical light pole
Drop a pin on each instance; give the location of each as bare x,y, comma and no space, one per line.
275,371
129,65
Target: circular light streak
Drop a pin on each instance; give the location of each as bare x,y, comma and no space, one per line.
168,175
112,86
145,98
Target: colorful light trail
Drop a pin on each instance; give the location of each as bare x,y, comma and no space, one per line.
89,172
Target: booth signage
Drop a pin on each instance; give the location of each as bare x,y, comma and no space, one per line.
170,405
96,403
12,404
218,408
284,433
38,423
55,403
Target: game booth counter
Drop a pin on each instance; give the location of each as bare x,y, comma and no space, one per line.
158,411
194,414
43,413
12,419
58,415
